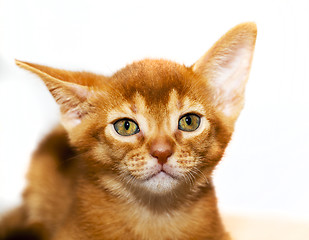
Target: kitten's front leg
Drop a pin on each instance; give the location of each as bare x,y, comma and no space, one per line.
14,226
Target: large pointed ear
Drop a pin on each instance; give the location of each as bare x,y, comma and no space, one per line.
226,68
71,96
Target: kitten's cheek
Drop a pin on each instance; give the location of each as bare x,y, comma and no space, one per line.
111,133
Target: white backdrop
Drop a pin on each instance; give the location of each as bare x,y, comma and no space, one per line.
266,166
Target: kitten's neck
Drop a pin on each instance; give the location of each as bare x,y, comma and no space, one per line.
185,194
139,218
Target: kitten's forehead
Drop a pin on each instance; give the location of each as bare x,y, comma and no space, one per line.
129,108
183,103
153,79
139,106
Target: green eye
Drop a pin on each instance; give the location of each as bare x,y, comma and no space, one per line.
126,127
189,122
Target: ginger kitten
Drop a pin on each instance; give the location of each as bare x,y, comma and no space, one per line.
134,156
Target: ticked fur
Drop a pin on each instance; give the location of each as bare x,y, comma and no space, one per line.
87,181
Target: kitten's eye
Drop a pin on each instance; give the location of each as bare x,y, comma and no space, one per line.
126,127
189,122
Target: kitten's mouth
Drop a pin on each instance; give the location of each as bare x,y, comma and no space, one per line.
160,174
160,181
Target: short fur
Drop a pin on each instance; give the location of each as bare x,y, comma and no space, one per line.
88,182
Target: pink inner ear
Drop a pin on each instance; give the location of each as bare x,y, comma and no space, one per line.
72,100
229,81
81,91
227,74
71,119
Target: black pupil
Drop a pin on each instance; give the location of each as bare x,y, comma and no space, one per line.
188,120
126,125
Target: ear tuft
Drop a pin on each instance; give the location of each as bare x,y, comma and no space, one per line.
226,68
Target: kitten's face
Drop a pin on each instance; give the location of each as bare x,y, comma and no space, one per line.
158,132
160,153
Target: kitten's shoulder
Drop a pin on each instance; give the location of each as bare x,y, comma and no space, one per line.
51,180
56,145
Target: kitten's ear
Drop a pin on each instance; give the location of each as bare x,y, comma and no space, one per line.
71,97
226,68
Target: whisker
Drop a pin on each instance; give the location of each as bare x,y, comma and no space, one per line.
198,171
192,178
186,178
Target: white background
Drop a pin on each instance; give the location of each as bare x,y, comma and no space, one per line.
266,166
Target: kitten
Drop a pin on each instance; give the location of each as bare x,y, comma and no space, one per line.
134,156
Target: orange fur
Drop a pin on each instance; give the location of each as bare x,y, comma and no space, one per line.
88,182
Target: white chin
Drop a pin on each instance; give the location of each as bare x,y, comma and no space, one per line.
160,183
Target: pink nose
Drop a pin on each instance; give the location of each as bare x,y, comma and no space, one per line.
161,149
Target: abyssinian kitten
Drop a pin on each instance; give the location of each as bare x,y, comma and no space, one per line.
134,156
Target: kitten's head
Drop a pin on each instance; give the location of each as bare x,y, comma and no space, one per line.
155,125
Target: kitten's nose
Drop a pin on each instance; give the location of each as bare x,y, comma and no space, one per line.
161,149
